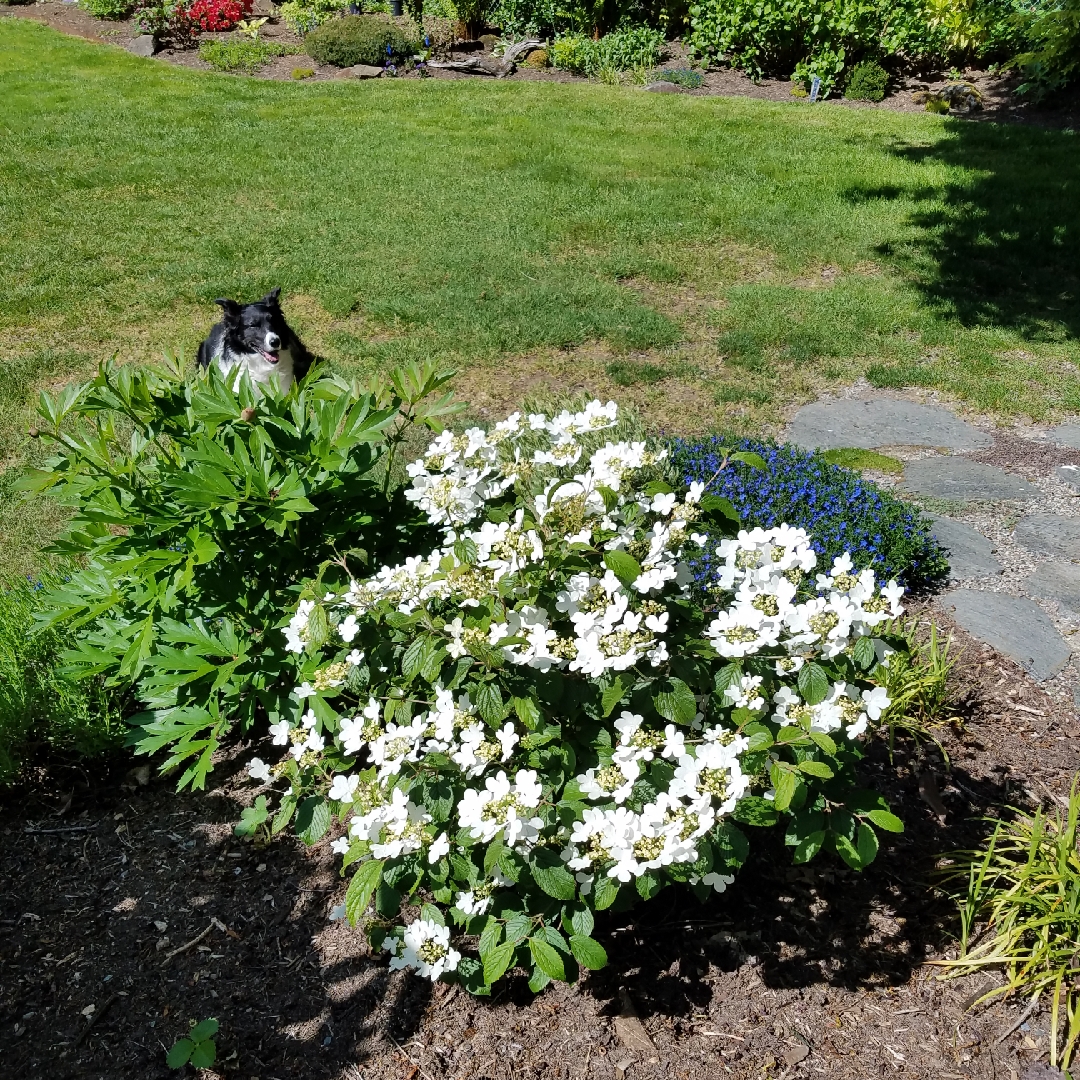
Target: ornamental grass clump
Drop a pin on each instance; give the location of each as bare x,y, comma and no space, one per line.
536,720
842,512
1021,915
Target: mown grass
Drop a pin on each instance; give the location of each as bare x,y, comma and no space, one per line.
711,260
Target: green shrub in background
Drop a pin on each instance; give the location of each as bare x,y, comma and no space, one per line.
197,511
303,16
358,39
39,706
868,81
245,56
107,9
1050,56
621,50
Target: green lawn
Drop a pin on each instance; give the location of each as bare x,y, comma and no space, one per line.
713,260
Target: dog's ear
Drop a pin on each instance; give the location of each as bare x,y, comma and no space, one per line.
231,309
271,298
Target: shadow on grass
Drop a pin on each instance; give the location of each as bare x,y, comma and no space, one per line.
1001,245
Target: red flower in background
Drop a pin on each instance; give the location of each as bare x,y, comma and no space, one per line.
216,16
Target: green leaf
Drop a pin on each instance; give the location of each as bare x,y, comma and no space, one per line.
204,1054
538,980
547,958
864,653
824,742
487,697
884,820
588,953
626,568
550,873
528,711
674,701
612,695
748,457
785,782
866,843
432,914
363,884
251,818
284,814
312,819
847,851
489,939
813,683
754,810
205,1029
816,768
648,885
582,922
808,846
179,1053
605,890
497,961
517,928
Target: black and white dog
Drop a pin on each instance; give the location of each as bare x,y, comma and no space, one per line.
255,338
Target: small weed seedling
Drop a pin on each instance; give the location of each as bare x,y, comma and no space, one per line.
197,1048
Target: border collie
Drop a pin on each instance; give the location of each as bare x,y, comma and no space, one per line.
255,338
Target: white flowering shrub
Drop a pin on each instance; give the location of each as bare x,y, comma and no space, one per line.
541,718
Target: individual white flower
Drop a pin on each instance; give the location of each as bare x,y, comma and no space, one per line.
314,742
304,690
295,631
343,788
664,503
875,702
468,903
354,658
309,719
280,731
440,846
340,845
719,882
351,735
425,945
347,628
259,770
674,743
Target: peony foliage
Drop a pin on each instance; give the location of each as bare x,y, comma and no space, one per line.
543,718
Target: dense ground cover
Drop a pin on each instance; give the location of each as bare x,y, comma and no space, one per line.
727,256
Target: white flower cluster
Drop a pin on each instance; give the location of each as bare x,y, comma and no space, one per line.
496,591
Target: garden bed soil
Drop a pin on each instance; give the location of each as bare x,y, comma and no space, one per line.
1000,103
795,973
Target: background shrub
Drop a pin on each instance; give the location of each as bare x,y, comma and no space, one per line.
1050,34
841,511
107,9
358,39
40,707
245,56
303,16
868,81
621,50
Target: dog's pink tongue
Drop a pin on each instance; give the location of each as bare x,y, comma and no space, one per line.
271,357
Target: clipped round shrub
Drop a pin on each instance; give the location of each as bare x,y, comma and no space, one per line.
299,73
840,510
218,16
538,58
358,39
868,82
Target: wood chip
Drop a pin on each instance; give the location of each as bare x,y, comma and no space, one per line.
630,1030
796,1054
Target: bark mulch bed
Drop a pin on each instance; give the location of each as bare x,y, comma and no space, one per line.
796,972
999,100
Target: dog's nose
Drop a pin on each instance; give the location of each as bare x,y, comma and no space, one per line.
273,341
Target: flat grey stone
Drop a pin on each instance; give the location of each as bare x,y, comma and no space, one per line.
1069,474
1017,627
1065,435
970,553
1051,534
1056,581
959,478
360,71
662,88
870,423
143,45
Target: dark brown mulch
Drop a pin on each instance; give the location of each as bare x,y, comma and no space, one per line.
1000,103
795,972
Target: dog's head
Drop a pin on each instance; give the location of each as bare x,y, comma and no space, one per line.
255,328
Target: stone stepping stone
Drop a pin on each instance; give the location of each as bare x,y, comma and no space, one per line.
1056,581
971,555
963,480
1015,626
1069,474
1050,534
1065,435
868,424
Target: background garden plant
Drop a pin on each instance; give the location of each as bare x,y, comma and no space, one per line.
195,514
